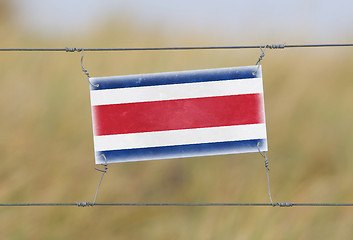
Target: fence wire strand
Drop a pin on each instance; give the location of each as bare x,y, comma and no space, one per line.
268,46
89,204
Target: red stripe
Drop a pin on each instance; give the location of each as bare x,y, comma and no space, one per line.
178,114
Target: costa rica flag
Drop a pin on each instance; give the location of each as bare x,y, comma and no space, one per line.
178,114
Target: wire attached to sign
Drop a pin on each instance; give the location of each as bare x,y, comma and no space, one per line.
85,71
89,204
271,46
263,49
103,172
260,59
263,154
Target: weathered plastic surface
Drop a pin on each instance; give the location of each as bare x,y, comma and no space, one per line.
178,114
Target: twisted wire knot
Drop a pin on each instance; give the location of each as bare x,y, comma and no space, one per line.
267,164
276,46
261,56
84,204
68,49
85,72
283,204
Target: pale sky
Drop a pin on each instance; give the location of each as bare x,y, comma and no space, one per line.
317,21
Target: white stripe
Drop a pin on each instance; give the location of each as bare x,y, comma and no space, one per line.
180,137
176,91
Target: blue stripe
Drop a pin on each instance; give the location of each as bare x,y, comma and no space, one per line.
180,151
175,77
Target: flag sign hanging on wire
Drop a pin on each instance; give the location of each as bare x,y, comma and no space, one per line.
178,114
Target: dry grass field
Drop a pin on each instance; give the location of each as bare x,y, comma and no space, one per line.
47,148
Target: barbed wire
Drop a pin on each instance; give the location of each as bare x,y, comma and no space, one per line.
268,46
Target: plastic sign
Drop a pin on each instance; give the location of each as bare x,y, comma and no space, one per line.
178,114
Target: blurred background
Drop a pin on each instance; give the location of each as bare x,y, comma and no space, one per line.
46,135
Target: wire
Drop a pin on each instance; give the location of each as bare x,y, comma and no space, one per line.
273,46
284,204
87,204
104,171
35,204
263,154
